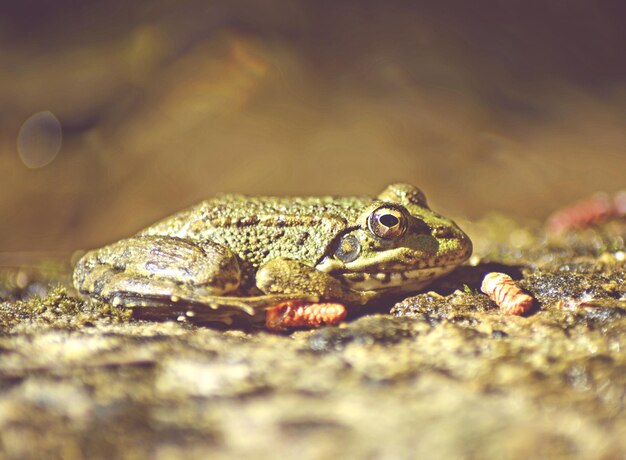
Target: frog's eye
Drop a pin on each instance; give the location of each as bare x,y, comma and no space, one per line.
387,222
348,249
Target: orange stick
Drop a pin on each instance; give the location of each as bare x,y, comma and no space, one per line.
501,288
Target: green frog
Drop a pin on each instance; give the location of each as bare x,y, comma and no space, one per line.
237,256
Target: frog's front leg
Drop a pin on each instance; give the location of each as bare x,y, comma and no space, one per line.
293,278
157,270
290,277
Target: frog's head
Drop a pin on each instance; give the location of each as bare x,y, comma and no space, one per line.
396,244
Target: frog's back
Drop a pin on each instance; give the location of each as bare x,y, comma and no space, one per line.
259,229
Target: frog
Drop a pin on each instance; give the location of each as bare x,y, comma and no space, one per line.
236,256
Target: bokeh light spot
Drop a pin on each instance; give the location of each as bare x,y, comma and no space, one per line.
39,140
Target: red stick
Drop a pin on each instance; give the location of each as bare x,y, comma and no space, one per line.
295,314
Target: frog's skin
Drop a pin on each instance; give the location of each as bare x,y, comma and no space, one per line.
237,255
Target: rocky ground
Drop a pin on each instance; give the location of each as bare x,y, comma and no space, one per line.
443,374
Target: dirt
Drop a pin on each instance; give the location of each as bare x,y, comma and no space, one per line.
442,374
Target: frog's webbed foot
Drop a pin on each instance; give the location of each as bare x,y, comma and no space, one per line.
158,271
290,277
222,309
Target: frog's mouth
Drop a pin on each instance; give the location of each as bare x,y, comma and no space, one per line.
400,280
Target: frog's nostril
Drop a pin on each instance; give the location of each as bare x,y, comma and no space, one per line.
443,232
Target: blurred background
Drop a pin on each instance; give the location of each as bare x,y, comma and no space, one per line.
114,114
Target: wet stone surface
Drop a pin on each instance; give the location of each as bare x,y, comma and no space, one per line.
442,374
